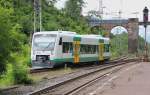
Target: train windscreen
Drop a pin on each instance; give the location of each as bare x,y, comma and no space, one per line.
44,42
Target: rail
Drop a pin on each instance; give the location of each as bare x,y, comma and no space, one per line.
46,89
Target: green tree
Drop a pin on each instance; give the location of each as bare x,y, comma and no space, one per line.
5,45
11,44
74,8
119,44
23,14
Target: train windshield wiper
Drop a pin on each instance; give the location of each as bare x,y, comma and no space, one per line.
49,44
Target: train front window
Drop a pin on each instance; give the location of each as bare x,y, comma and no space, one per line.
44,42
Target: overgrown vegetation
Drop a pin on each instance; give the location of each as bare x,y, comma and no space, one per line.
119,45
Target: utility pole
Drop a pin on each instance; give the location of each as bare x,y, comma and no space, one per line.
40,15
34,6
100,13
101,7
37,16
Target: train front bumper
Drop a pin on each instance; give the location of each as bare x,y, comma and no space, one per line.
42,64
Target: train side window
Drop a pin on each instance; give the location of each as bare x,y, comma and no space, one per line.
88,49
60,41
67,47
97,50
82,49
106,47
94,49
70,47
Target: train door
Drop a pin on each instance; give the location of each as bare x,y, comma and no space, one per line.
101,50
76,50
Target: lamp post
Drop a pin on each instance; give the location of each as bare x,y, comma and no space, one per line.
145,20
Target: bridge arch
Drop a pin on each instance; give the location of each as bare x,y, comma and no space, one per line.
118,30
131,24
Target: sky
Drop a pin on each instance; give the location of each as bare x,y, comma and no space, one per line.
112,7
128,7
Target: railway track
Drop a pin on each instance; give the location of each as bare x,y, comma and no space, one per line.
83,88
38,70
50,89
88,83
52,83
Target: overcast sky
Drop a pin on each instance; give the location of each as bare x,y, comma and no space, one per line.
112,7
128,7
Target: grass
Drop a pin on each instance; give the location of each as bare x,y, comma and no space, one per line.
36,77
7,79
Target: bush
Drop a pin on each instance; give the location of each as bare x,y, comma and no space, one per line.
20,66
20,75
15,74
7,78
17,68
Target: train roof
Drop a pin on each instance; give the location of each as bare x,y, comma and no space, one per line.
69,33
55,32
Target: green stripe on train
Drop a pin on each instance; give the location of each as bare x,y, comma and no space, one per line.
62,60
82,59
88,59
77,38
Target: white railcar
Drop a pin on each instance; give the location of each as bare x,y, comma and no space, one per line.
54,48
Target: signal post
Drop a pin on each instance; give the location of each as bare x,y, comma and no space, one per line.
145,20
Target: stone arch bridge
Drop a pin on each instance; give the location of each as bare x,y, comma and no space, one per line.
131,24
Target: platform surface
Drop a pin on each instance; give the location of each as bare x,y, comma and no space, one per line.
134,80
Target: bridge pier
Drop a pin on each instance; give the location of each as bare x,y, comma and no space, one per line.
133,31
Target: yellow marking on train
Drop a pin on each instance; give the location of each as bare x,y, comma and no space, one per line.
76,51
101,51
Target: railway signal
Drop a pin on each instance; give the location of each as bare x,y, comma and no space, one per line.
145,16
145,20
